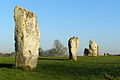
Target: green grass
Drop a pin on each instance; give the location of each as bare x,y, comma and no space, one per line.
60,68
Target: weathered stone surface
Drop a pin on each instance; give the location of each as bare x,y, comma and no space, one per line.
73,45
93,49
27,37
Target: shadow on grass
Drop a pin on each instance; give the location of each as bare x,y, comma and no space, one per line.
52,59
4,65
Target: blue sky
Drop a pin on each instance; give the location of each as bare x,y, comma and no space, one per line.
97,20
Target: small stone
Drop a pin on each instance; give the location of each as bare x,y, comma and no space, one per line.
86,52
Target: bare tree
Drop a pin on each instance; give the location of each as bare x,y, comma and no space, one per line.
50,52
60,49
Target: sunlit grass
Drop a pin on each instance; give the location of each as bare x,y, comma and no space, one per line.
61,68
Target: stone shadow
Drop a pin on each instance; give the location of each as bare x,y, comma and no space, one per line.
52,59
4,65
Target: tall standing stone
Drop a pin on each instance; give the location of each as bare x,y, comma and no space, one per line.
73,45
27,37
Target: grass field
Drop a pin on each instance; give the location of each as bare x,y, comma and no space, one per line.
60,68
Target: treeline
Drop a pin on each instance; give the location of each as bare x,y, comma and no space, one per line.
58,50
7,54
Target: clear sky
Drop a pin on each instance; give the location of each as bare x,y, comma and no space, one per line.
97,20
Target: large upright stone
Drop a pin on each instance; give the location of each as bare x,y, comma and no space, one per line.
73,45
93,49
27,37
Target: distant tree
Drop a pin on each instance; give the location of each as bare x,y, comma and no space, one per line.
60,49
41,52
4,55
1,55
12,54
50,52
57,50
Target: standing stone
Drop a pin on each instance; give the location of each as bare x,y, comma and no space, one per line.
73,45
27,37
86,52
93,49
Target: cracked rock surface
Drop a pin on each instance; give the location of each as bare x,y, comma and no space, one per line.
27,37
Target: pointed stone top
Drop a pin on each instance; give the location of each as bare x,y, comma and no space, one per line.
21,8
91,41
74,37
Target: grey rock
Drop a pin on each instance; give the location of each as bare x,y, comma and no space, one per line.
27,37
73,45
93,49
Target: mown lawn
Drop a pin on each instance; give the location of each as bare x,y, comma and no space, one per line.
60,68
